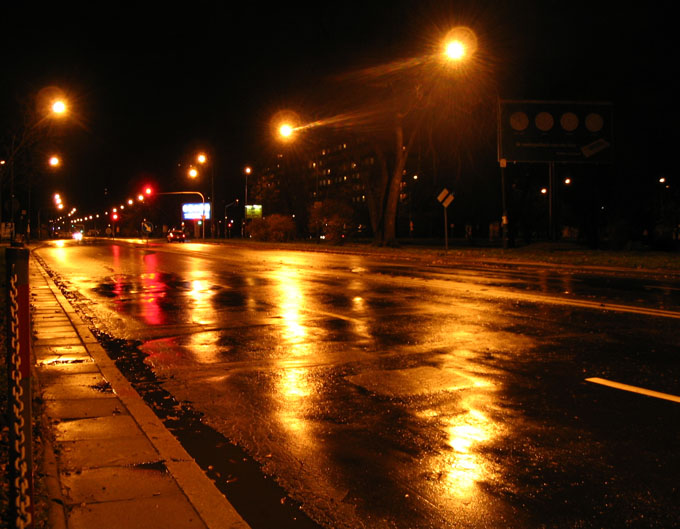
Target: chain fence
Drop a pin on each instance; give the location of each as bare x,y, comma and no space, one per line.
19,420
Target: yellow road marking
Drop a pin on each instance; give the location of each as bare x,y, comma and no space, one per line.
634,389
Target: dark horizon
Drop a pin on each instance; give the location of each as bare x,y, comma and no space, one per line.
149,86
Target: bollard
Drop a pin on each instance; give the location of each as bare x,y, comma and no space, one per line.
19,378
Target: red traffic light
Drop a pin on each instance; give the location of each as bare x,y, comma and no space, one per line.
114,216
148,190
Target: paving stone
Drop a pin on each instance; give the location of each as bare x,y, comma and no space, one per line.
163,512
117,483
83,408
93,453
108,427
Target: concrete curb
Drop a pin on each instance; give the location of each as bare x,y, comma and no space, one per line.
209,503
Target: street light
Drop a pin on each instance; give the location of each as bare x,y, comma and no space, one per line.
202,158
286,130
460,43
20,141
246,170
59,107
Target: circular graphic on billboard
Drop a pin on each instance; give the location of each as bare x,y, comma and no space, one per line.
594,122
519,121
544,121
569,121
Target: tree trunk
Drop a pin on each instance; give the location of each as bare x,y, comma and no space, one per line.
394,185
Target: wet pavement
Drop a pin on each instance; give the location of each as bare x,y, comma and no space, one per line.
109,461
387,395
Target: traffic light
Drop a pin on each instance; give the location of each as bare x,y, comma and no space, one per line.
148,190
114,216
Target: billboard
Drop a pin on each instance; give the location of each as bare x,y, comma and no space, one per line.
195,211
555,131
254,211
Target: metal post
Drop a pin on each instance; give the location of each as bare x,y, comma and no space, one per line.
245,210
551,200
446,230
504,218
19,378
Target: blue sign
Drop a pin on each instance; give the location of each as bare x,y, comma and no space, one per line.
195,211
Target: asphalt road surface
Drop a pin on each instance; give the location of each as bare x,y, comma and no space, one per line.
378,394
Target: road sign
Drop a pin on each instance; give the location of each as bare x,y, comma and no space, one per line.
555,131
445,198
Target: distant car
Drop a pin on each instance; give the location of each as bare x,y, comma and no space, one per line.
175,235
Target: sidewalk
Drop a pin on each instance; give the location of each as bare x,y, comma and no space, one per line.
109,461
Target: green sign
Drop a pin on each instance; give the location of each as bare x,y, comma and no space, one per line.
254,211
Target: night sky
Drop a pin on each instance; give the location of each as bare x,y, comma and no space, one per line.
149,82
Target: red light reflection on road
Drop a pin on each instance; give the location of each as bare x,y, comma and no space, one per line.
152,290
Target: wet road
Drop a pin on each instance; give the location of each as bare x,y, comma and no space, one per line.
397,395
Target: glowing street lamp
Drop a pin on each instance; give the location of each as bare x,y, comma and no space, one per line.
460,44
454,50
193,172
59,107
54,161
202,159
286,130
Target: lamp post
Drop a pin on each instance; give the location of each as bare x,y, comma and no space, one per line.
202,159
193,173
191,193
57,108
246,171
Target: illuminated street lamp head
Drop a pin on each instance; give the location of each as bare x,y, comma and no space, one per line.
455,50
193,173
247,170
286,130
459,45
201,158
59,107
54,161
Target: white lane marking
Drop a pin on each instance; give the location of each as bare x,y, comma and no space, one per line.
634,389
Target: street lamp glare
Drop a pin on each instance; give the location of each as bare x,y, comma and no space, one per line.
286,130
59,107
193,173
459,44
455,50
55,161
201,158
